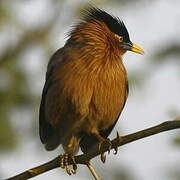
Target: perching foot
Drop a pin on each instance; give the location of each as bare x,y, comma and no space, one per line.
64,164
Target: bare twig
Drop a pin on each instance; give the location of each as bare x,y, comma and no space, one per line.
83,159
93,172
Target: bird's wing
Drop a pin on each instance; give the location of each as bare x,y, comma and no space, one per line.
64,103
46,130
89,141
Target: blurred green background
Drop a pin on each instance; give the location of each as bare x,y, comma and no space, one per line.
31,30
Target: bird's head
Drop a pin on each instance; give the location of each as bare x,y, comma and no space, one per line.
101,32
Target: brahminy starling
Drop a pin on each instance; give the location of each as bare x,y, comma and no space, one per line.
86,84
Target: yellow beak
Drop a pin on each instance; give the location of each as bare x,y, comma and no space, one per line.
132,47
135,48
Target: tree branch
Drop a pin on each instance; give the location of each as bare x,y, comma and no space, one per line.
85,158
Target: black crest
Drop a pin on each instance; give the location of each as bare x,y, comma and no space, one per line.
114,23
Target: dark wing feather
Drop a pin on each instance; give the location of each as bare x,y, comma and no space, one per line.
46,130
89,141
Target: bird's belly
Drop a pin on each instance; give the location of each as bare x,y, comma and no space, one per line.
97,97
107,102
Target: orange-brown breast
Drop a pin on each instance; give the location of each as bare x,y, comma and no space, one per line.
90,89
95,90
109,96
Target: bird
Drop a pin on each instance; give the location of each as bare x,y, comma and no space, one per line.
86,85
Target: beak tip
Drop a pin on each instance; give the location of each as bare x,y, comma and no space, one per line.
135,48
142,53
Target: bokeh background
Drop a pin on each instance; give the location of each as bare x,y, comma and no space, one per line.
31,30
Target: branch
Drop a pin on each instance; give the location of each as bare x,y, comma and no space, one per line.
85,158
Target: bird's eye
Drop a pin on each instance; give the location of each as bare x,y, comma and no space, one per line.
120,38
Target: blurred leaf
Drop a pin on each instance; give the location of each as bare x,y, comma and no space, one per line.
119,172
172,50
137,79
8,137
4,14
177,140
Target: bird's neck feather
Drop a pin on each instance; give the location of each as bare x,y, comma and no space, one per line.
94,39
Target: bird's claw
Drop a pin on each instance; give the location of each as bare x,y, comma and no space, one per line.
106,141
103,156
115,150
64,164
109,146
116,147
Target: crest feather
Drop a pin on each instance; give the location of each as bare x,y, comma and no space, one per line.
114,23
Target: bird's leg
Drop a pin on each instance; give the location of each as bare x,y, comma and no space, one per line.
70,146
101,141
64,163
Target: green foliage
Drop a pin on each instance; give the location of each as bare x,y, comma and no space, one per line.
7,140
14,92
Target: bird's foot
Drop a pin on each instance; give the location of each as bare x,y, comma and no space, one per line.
105,141
64,164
